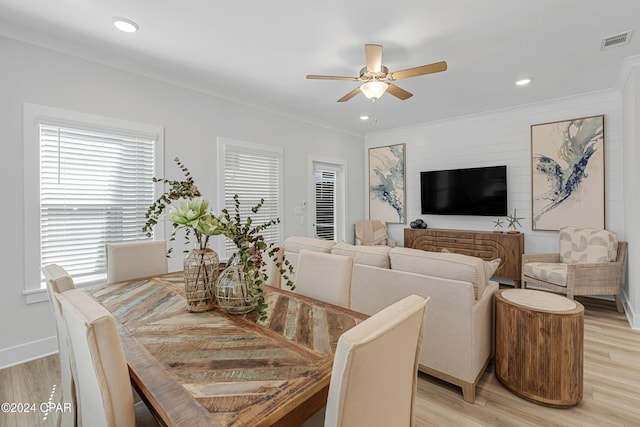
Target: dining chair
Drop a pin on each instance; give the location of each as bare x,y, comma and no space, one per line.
375,369
58,281
325,277
130,260
270,267
104,391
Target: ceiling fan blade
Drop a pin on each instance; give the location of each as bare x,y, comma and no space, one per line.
398,92
419,71
317,77
350,95
373,56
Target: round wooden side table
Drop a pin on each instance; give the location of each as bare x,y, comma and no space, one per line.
539,346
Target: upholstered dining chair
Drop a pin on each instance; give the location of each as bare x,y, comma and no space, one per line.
589,262
325,277
372,232
270,267
375,369
58,281
129,260
104,392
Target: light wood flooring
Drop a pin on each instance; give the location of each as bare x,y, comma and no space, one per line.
611,386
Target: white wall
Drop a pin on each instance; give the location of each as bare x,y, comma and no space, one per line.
503,138
631,127
192,123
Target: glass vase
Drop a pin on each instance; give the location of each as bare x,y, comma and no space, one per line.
232,291
200,275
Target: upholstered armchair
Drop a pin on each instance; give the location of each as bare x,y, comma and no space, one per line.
590,262
373,232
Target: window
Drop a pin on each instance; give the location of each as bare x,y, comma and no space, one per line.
252,172
327,196
94,187
325,204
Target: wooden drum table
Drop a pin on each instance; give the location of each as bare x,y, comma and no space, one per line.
539,346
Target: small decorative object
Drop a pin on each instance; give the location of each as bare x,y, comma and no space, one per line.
567,174
498,223
232,291
513,223
387,184
418,223
200,274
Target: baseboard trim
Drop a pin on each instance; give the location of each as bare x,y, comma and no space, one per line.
28,351
632,317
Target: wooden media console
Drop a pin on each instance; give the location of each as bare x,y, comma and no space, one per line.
482,244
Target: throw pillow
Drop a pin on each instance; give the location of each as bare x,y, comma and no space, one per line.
490,267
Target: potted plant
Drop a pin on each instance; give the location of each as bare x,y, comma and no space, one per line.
239,287
187,210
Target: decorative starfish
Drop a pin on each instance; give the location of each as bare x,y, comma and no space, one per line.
498,223
514,221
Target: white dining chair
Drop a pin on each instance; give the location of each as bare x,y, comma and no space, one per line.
130,260
325,277
103,386
375,368
58,281
270,267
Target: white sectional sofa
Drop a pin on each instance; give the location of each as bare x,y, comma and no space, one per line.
457,345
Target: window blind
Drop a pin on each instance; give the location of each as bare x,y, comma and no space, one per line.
95,188
325,183
252,176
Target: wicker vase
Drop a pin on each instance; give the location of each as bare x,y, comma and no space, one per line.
200,275
232,291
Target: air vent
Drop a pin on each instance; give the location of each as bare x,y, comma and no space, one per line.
616,41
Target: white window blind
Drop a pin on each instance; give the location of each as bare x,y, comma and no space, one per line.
325,193
95,188
253,175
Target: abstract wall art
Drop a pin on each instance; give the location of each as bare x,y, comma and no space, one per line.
567,174
387,184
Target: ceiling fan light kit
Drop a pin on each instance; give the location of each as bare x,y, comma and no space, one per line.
374,90
376,77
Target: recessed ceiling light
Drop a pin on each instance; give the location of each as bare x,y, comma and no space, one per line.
523,82
364,117
126,25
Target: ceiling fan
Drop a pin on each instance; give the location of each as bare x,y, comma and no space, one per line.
376,77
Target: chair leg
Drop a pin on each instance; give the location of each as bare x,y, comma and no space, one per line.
619,303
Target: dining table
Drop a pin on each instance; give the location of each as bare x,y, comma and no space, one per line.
219,369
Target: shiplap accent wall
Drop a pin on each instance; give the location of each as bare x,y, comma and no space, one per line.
503,138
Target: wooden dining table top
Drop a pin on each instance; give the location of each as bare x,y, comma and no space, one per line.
214,368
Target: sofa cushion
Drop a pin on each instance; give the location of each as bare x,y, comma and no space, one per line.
490,267
296,243
446,265
552,272
377,256
587,245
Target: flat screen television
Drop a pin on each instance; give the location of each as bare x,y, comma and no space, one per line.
475,191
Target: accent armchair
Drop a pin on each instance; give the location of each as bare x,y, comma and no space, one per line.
373,232
590,262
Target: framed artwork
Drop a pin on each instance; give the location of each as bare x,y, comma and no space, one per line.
567,174
387,184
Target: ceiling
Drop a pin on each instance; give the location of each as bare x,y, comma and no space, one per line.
259,52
